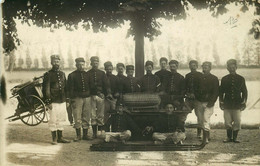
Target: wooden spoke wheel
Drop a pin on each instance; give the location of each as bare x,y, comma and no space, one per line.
47,116
36,111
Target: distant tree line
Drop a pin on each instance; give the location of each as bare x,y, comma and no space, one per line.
250,57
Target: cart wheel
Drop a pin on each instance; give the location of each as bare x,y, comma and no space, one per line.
36,111
47,117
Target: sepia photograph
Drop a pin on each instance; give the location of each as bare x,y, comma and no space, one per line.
130,82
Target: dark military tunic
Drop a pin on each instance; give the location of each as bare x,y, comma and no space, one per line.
78,85
114,83
165,123
175,84
192,82
163,75
150,83
131,85
208,89
98,82
120,123
233,91
54,86
122,84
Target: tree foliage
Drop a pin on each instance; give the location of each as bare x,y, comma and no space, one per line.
101,14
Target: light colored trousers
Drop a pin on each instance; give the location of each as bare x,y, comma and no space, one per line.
81,109
232,119
115,136
57,116
174,137
97,110
203,114
109,105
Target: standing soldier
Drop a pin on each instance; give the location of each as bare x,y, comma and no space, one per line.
110,104
78,92
150,82
120,68
207,95
163,74
131,84
191,86
232,98
175,90
54,88
99,86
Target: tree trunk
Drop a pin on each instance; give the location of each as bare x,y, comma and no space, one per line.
139,47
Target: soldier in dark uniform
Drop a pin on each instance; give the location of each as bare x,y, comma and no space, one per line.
232,98
79,94
163,74
110,104
206,97
191,87
165,129
120,68
150,83
54,93
175,87
122,125
131,83
99,86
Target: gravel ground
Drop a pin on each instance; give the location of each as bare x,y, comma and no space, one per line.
31,146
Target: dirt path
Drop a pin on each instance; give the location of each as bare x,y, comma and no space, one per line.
31,146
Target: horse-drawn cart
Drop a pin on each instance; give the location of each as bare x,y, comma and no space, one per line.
31,108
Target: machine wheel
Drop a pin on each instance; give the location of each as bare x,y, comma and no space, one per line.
36,111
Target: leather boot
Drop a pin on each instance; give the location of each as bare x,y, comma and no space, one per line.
54,138
85,135
229,136
78,135
94,128
199,133
235,133
60,138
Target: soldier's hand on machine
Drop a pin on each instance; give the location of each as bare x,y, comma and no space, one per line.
221,105
243,106
101,95
148,130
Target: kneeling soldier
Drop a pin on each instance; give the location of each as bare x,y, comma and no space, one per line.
78,92
53,88
232,98
166,128
121,125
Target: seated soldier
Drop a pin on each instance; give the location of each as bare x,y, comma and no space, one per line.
121,125
166,129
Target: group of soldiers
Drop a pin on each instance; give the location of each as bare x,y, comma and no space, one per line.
94,93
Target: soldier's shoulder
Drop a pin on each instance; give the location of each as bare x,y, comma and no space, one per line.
240,77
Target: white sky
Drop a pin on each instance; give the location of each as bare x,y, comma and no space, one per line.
199,30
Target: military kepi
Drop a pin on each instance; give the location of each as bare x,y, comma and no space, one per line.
94,58
55,57
120,64
231,61
147,63
107,64
80,59
206,64
130,67
174,62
